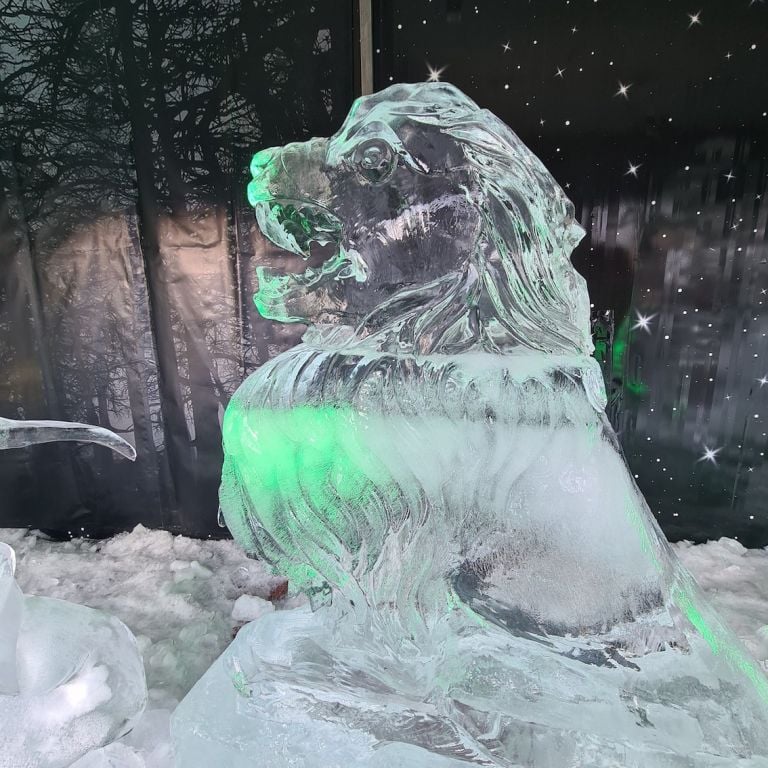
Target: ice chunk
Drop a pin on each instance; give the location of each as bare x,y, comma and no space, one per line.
79,684
7,560
11,601
250,607
18,434
432,466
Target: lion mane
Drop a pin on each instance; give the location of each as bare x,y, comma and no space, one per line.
517,287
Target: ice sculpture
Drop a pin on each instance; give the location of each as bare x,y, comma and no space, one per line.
71,677
18,434
434,468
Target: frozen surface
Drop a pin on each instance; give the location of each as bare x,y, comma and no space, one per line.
156,607
433,467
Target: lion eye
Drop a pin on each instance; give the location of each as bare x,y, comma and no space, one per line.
375,160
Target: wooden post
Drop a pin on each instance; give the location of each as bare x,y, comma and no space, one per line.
364,47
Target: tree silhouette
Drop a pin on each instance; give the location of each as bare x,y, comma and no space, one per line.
127,128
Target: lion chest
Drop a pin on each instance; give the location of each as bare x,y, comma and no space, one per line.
332,434
499,468
316,424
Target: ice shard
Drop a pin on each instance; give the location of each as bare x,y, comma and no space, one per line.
71,677
19,434
433,467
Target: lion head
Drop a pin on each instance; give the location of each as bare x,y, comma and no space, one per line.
426,225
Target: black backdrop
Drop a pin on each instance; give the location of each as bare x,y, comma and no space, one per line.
669,179
127,251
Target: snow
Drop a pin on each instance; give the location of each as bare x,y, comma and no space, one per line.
184,599
736,581
175,593
250,608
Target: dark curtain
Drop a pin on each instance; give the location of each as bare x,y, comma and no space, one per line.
127,247
653,116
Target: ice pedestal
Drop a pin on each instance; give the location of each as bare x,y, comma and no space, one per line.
217,725
223,722
255,703
432,466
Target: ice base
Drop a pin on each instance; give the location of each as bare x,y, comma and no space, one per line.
267,698
217,724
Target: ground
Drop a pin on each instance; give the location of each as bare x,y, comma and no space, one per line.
178,597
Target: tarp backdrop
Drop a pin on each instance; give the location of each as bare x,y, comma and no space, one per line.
127,247
128,250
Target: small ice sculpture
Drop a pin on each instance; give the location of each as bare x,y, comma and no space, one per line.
71,677
433,467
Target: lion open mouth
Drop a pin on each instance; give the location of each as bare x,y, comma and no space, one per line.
314,234
295,225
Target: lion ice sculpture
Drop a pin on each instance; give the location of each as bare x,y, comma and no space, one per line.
71,677
433,467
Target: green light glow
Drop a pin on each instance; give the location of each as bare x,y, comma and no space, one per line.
270,297
263,170
686,603
619,348
309,474
719,639
619,368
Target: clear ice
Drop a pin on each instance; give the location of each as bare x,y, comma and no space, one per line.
433,467
71,677
20,434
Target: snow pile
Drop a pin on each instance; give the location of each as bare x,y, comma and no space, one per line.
177,596
185,598
736,581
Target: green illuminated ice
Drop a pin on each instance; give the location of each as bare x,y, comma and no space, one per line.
432,466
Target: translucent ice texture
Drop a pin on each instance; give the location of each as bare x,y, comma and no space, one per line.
71,678
433,467
11,602
18,434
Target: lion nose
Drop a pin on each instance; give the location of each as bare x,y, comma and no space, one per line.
262,170
261,162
